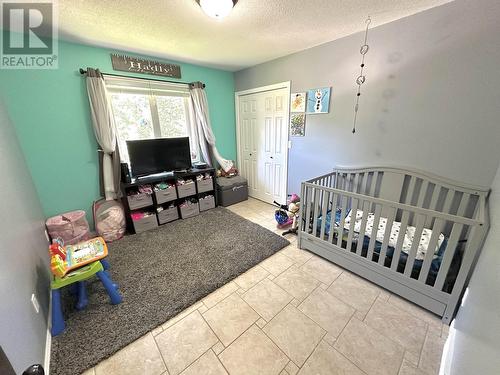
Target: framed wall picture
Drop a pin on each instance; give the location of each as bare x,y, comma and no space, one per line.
318,100
298,102
298,124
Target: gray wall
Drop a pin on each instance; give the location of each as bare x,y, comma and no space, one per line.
23,257
431,99
473,346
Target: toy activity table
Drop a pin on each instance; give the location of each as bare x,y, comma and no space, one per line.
73,265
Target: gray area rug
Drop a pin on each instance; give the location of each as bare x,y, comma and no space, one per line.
160,273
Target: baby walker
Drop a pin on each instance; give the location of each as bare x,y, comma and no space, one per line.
288,214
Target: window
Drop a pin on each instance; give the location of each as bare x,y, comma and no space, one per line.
149,109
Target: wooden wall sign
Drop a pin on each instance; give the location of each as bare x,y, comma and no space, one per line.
137,65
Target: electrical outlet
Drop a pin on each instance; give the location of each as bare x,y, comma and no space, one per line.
35,303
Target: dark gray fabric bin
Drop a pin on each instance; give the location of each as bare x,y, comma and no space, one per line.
207,203
231,190
168,215
205,185
139,201
189,210
166,195
186,190
145,223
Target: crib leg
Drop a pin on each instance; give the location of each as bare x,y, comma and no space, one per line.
114,296
82,296
57,317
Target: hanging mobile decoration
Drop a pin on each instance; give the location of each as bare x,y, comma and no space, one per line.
361,78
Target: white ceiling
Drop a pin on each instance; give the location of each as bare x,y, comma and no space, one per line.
256,31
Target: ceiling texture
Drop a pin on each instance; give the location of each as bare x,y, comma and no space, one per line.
256,31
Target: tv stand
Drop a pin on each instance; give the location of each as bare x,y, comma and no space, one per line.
169,177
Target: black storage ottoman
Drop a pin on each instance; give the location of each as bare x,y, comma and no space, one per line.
231,190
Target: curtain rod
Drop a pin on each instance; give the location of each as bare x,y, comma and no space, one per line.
83,71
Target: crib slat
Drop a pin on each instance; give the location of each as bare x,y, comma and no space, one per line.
348,185
373,184
422,193
367,183
414,245
429,255
387,236
411,188
333,216
315,213
373,235
309,192
464,201
361,181
362,228
399,244
354,211
435,196
355,183
325,205
448,200
342,221
301,208
449,252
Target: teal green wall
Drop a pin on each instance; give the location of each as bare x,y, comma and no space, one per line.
50,111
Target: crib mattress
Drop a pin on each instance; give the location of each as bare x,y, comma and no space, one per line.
396,227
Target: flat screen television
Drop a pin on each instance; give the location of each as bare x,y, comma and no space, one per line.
150,156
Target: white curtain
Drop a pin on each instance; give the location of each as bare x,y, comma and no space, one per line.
203,129
105,132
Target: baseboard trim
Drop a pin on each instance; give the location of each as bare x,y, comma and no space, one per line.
48,339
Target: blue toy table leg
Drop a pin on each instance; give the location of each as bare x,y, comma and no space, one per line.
105,264
115,297
82,296
57,316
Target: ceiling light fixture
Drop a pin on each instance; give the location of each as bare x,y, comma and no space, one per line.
217,8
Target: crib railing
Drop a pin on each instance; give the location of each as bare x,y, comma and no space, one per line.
347,192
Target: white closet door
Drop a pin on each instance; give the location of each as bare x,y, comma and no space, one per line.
249,142
263,129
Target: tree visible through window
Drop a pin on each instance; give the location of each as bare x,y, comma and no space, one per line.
141,113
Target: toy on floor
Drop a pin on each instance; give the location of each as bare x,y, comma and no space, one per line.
288,214
78,278
72,265
64,259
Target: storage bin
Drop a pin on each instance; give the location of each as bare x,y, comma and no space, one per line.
186,190
207,203
231,190
146,223
140,200
189,210
168,215
205,185
72,227
166,195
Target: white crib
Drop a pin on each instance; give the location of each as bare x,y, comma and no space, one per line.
413,233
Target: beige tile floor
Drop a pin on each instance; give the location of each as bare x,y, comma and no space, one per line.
294,313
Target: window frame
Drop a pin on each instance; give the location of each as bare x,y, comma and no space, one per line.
153,89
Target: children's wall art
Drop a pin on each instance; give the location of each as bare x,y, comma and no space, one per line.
298,125
298,102
318,100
